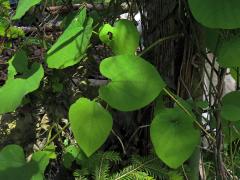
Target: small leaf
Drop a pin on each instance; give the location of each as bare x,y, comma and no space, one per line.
90,123
71,46
134,82
123,38
70,154
23,7
216,13
173,136
50,151
231,106
229,53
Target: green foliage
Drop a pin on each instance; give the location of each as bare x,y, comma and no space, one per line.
71,46
231,131
71,153
123,38
129,75
216,13
6,29
173,136
29,80
4,8
144,168
133,84
212,37
23,7
13,164
90,123
229,52
231,106
151,165
99,167
132,173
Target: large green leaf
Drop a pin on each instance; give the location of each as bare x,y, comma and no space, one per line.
13,91
231,106
90,123
14,166
216,13
134,82
173,136
75,27
23,7
229,53
123,38
212,37
71,46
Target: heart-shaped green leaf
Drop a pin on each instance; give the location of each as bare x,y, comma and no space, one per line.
231,106
229,53
216,13
13,91
123,38
71,46
90,123
23,7
173,136
134,82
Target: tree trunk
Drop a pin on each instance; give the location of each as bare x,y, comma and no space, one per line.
176,59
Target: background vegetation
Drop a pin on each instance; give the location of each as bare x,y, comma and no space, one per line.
85,94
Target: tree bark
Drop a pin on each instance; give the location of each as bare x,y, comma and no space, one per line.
177,59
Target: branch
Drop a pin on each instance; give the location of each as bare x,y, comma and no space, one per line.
65,9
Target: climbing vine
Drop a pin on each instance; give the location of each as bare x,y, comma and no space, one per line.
132,83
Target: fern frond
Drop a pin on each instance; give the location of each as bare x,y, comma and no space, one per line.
154,167
81,178
139,175
112,156
102,171
80,174
126,173
95,161
129,171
